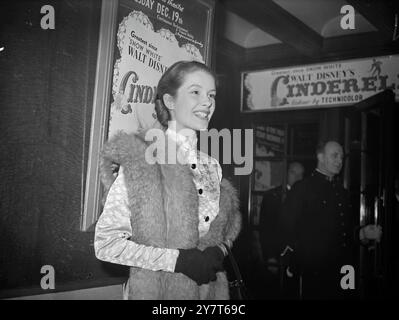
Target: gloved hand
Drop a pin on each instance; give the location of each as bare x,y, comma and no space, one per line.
215,254
200,266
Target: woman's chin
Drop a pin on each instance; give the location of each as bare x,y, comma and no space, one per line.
200,125
203,127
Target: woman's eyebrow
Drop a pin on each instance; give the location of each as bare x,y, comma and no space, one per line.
199,86
194,85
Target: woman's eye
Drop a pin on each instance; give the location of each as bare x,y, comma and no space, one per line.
195,92
212,95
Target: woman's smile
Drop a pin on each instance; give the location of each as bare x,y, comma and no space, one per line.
203,115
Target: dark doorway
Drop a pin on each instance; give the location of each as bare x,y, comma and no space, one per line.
370,167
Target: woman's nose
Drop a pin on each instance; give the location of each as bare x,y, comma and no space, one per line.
206,101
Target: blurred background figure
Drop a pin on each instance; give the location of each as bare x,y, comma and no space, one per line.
271,233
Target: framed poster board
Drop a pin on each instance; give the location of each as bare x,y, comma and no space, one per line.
269,141
151,36
138,41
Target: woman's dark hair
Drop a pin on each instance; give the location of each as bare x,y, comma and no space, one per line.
171,81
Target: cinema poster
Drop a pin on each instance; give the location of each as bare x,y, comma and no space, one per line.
151,36
319,85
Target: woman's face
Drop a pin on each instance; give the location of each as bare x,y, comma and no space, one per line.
194,103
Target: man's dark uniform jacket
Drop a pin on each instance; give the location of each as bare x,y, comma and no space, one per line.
271,236
320,226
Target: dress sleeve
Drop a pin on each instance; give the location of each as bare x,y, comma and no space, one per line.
113,230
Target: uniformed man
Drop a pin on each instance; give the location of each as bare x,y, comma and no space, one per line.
322,229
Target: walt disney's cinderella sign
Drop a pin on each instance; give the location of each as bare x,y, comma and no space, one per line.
319,85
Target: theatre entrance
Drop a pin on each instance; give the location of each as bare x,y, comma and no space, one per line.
370,167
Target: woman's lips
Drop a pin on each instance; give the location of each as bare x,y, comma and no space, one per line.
203,115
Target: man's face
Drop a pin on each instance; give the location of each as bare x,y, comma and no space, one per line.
330,161
295,174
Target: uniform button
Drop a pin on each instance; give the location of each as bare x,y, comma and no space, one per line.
340,204
344,245
200,191
207,218
324,201
193,166
341,214
344,234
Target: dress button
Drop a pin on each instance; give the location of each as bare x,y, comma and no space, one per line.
341,214
340,204
207,218
200,191
344,234
193,166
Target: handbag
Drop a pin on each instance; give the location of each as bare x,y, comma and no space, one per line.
237,288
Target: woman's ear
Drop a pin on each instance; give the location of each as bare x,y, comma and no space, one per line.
168,101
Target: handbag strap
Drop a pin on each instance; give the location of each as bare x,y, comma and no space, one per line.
234,264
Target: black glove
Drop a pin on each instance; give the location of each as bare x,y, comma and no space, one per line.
215,254
200,266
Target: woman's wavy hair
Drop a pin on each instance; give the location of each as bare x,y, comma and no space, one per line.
171,81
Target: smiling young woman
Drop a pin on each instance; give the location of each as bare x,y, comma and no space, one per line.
170,222
186,95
